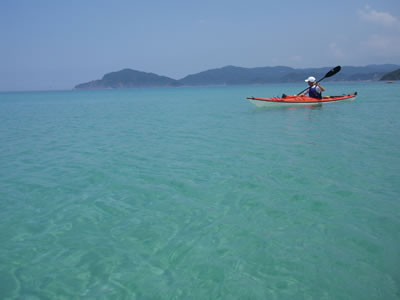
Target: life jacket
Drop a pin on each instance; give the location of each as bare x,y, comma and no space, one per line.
313,92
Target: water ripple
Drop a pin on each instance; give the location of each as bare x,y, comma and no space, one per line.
193,193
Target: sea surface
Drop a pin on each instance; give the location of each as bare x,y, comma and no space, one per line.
195,193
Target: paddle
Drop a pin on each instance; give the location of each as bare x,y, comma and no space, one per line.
329,74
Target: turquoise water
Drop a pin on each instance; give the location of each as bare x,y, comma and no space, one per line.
194,193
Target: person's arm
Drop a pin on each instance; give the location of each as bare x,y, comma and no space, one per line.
321,87
305,92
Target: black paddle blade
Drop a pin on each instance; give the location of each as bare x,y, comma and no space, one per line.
333,71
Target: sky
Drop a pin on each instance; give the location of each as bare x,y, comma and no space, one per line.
57,44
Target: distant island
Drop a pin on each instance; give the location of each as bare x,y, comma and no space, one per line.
128,78
231,75
395,75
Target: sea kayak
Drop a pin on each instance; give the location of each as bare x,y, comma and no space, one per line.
299,100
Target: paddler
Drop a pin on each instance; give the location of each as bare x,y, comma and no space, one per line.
315,90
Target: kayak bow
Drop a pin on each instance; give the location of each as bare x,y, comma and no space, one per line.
299,100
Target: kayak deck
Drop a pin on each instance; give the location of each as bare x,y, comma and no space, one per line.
299,100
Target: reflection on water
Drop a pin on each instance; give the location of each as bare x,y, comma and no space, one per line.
288,107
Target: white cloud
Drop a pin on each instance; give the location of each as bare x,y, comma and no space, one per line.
296,59
383,18
336,51
383,45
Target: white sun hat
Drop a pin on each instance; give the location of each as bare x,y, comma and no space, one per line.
310,79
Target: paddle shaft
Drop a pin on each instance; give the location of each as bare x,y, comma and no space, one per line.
329,74
310,86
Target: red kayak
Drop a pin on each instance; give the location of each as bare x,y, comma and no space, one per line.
299,100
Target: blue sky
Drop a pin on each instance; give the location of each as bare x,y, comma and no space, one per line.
55,44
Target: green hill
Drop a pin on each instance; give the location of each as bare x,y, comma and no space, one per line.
395,75
231,75
128,78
